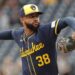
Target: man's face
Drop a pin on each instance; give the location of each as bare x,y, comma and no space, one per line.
31,21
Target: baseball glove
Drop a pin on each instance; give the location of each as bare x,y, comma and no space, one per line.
62,44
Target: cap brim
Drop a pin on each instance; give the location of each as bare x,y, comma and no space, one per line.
39,12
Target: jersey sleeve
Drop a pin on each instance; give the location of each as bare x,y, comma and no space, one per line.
59,24
6,35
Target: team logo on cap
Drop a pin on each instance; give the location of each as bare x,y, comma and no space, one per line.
33,7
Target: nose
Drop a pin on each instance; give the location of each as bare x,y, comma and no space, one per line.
37,19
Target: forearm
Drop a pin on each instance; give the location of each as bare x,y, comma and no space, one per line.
6,35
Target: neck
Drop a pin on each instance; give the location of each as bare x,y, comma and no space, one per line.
28,32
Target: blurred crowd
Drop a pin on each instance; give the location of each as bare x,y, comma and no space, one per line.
9,13
9,18
9,67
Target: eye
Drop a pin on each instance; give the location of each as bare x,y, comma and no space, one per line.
33,16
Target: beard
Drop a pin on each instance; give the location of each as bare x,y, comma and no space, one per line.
33,28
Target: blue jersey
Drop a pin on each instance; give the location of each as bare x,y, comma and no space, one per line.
38,51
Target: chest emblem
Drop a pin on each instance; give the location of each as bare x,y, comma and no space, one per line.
33,49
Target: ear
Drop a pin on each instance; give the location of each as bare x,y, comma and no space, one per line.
22,20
